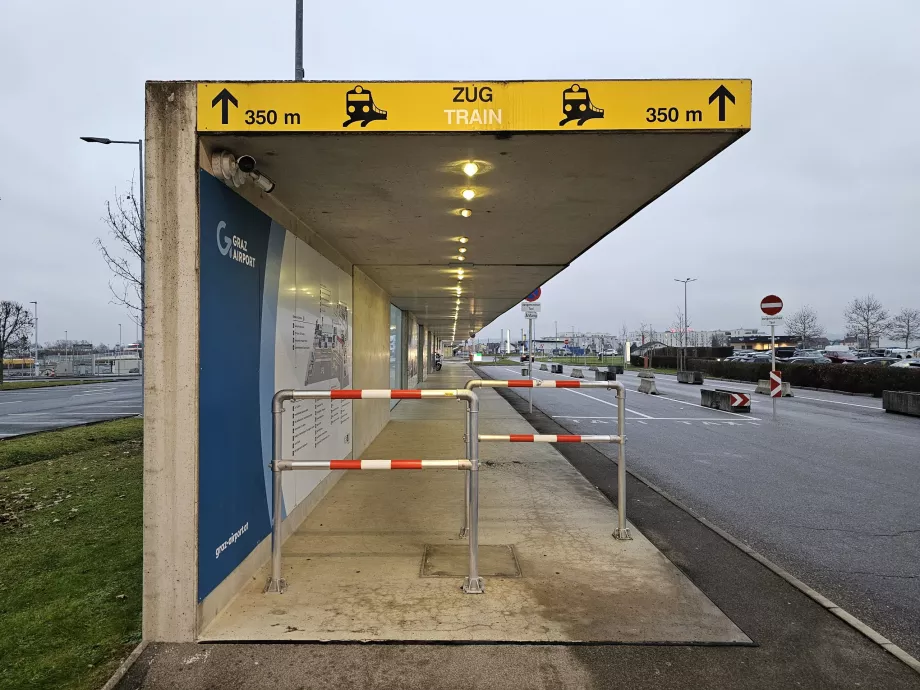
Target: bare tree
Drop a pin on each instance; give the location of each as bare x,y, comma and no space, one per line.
803,325
906,325
124,258
16,324
644,330
867,317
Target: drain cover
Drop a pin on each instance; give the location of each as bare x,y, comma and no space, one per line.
452,560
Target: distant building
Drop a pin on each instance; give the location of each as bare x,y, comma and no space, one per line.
761,341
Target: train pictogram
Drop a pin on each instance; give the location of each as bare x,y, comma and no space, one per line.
359,105
577,105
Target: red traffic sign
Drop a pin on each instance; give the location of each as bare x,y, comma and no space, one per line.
535,295
771,305
776,384
740,400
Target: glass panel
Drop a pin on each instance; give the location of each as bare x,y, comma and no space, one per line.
396,335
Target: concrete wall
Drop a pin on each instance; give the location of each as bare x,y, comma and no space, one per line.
174,154
371,357
171,354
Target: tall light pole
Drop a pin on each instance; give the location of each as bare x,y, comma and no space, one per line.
35,363
66,344
143,218
684,358
120,348
298,40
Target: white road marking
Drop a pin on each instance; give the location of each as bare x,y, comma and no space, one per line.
26,414
11,402
838,402
641,421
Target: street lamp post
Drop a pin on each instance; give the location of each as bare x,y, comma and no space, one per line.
684,357
120,348
35,363
143,218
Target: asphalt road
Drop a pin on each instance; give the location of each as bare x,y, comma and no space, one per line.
39,409
829,490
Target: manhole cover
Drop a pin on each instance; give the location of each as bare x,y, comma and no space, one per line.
452,560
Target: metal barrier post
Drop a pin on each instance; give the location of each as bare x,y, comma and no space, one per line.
276,583
464,530
473,583
622,531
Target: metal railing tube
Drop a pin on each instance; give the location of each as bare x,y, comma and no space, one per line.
622,531
473,583
276,582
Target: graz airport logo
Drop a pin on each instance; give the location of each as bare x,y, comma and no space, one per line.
359,106
577,105
233,246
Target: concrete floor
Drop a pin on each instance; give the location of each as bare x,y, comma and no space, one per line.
354,569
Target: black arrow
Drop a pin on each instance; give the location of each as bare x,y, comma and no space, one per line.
721,93
225,97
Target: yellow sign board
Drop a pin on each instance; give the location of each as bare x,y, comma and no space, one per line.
533,106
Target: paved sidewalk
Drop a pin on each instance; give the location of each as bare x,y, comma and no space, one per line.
798,644
380,558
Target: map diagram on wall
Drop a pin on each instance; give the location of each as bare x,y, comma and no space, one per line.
313,352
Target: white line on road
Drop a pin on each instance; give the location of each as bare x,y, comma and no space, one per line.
11,402
838,402
25,414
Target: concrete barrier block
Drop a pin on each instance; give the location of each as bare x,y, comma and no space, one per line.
901,402
543,367
722,400
646,374
556,368
647,385
577,374
690,377
600,375
615,368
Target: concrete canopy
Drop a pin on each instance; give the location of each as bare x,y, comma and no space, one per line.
390,203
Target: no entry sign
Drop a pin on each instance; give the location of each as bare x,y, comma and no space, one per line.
771,305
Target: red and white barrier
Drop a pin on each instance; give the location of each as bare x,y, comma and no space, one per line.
536,383
373,394
551,438
375,464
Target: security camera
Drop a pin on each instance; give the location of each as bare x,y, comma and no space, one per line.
246,163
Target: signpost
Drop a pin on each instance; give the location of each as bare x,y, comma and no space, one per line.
771,305
531,308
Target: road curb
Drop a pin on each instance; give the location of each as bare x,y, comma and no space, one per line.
120,672
815,596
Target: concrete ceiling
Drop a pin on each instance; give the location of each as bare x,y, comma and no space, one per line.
390,204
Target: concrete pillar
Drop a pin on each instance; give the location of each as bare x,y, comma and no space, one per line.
171,356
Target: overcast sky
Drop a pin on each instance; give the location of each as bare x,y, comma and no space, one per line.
818,203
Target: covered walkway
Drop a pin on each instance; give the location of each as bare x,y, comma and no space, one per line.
380,557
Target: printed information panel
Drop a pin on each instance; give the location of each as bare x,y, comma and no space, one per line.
274,314
693,104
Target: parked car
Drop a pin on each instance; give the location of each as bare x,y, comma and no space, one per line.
609,352
840,356
906,363
877,361
808,360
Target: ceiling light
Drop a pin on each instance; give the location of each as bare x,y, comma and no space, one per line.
462,250
464,240
468,194
470,169
466,213
459,258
